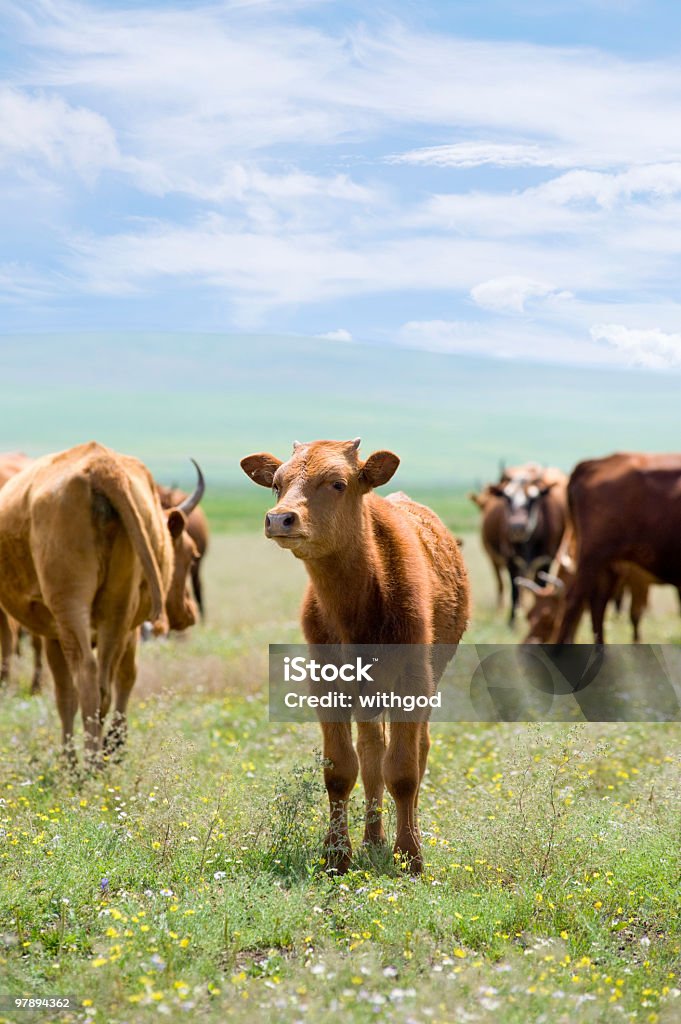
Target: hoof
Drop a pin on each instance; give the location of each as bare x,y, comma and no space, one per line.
337,854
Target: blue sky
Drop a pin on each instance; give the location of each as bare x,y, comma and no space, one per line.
502,178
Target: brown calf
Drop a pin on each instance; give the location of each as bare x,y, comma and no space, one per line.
381,570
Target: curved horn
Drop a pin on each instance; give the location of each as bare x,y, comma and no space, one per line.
190,503
548,577
522,581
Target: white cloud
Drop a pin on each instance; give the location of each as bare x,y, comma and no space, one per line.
511,294
478,153
340,335
44,127
649,347
215,80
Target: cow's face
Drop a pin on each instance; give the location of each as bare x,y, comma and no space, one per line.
318,493
543,617
180,607
523,499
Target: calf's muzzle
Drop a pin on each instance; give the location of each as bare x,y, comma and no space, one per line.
281,524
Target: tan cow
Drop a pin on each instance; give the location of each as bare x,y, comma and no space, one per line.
197,528
381,571
86,555
12,463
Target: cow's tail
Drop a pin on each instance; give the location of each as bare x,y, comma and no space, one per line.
114,485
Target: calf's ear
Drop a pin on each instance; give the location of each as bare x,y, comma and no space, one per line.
176,523
261,467
378,469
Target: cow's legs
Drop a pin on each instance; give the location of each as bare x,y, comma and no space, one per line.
600,595
512,572
639,603
65,693
37,644
424,750
340,774
402,771
577,595
371,744
197,587
125,673
76,645
6,646
500,584
112,640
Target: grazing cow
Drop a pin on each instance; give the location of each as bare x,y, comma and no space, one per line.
522,523
12,463
197,528
624,508
545,615
381,571
86,555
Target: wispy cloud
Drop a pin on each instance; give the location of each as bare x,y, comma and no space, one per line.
511,294
479,153
289,161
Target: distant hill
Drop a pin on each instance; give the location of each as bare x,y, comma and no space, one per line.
451,418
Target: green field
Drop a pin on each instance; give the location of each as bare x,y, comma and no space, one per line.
189,877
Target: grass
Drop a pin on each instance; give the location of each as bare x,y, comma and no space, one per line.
188,878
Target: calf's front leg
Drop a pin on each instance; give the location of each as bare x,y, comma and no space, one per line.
341,766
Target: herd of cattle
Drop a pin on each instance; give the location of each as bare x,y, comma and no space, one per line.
91,548
612,527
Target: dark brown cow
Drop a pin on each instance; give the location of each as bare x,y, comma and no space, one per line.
12,463
381,570
523,518
197,528
86,555
624,508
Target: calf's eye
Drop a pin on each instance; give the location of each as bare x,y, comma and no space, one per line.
338,486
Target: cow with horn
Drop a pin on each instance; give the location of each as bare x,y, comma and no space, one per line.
523,519
550,591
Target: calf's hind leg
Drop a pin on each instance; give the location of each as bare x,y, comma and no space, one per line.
402,769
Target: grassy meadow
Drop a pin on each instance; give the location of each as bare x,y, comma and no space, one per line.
188,878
